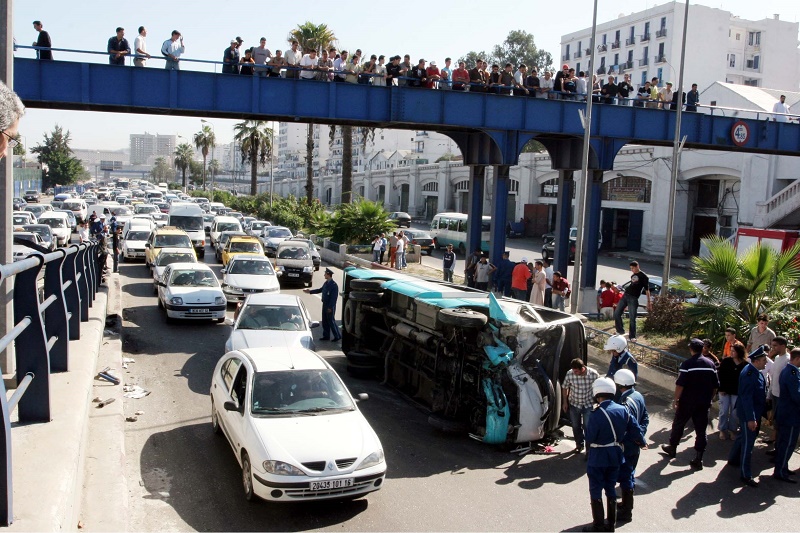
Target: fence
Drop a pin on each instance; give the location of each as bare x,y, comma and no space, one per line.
45,321
644,354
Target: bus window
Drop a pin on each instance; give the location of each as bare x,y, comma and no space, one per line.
453,225
462,226
442,223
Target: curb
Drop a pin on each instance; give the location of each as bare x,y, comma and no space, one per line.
49,459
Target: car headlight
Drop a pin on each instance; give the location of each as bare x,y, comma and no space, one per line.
279,468
176,300
231,288
375,458
308,269
273,289
219,300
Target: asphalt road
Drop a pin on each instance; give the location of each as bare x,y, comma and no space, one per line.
181,477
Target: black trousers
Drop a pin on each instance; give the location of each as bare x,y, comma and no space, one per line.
698,414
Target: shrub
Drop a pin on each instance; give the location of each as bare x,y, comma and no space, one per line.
666,315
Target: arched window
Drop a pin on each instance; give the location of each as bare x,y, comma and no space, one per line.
627,189
432,186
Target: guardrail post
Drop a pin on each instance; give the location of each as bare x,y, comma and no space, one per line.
82,276
6,485
91,267
55,315
71,297
101,263
31,347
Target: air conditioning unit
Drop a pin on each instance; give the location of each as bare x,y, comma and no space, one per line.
725,220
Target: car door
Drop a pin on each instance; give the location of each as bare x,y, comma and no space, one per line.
220,390
236,420
162,291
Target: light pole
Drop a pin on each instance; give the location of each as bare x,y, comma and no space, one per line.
204,121
271,168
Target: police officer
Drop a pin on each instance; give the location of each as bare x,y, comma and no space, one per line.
609,426
750,406
788,416
617,345
633,401
695,388
330,294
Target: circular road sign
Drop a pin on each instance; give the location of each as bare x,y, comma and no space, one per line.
740,133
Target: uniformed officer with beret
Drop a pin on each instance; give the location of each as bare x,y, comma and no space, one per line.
750,406
330,294
788,416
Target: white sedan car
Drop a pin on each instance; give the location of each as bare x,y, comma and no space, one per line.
294,427
247,274
270,319
191,291
133,244
167,257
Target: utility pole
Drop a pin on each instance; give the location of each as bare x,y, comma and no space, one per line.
6,189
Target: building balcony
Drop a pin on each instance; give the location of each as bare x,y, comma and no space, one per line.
576,55
661,59
587,52
643,62
602,47
630,42
644,38
615,45
601,70
565,57
661,33
628,65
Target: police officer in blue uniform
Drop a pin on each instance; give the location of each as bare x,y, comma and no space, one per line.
330,295
750,406
633,401
695,388
788,416
620,356
609,426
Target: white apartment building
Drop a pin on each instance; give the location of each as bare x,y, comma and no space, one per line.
719,47
145,147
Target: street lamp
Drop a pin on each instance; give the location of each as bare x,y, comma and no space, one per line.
271,168
204,121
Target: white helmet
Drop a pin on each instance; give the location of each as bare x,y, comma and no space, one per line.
625,378
603,386
616,343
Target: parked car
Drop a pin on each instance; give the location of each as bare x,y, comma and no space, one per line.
272,236
271,319
191,291
167,257
59,224
133,245
31,196
37,209
18,203
422,238
294,263
248,274
45,232
549,245
315,257
400,219
71,218
293,426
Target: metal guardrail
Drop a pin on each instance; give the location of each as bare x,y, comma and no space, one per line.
45,322
648,355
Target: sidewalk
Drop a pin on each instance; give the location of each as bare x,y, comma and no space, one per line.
49,459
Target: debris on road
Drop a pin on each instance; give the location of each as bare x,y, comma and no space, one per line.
131,419
135,392
126,361
108,377
103,403
139,413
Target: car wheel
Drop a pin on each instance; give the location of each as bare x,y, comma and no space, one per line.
372,285
545,256
461,317
215,420
247,478
349,316
220,320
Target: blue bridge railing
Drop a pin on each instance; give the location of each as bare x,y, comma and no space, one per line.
52,296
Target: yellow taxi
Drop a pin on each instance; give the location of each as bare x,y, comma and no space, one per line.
244,244
165,237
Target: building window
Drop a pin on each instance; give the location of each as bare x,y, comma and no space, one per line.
660,79
754,38
578,68
644,77
549,189
627,189
732,60
604,38
432,186
707,194
663,23
513,186
738,36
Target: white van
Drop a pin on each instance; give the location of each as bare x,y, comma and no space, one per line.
221,224
78,208
215,206
189,218
59,224
451,228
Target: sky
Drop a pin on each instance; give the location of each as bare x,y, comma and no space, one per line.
430,29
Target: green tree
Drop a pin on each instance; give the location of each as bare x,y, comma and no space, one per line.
519,47
161,171
205,140
214,166
183,159
357,222
55,155
317,37
255,139
197,172
19,149
471,58
733,291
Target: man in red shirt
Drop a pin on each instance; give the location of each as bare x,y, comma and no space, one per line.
460,77
519,279
433,75
560,290
607,300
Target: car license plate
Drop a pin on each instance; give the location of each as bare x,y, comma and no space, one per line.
332,484
198,310
294,275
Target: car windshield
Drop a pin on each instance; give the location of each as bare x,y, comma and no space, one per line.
53,222
167,258
228,226
19,220
190,223
260,317
251,266
44,231
193,278
299,391
293,252
208,218
138,235
278,232
121,211
179,241
257,226
245,247
145,209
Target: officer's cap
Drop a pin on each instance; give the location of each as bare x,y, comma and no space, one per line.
759,352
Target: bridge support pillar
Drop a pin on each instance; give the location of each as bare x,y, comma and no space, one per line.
499,212
477,178
590,240
563,218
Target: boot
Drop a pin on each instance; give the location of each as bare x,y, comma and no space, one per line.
597,517
668,450
611,517
697,462
625,509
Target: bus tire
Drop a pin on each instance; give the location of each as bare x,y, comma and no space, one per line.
463,318
349,316
365,296
372,285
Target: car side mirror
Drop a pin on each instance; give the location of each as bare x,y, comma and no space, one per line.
314,324
231,406
147,245
362,397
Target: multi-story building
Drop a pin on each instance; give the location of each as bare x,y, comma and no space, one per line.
146,147
719,47
101,158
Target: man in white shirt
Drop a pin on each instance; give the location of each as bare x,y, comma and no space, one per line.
780,357
261,55
781,107
309,65
172,50
140,46
400,262
293,57
548,276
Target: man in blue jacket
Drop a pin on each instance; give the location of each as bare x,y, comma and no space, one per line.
788,416
750,406
633,401
609,426
330,294
502,276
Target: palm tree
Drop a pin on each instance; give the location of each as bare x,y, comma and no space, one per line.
347,164
184,153
205,140
255,138
318,37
